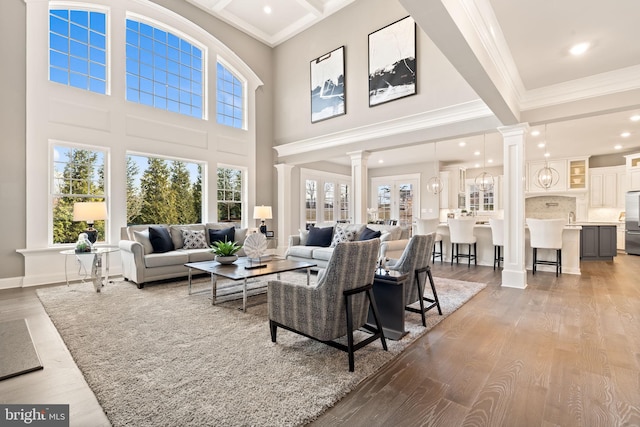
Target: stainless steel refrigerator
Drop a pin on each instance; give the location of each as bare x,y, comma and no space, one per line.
632,214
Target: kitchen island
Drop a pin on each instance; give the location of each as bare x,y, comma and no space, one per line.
570,248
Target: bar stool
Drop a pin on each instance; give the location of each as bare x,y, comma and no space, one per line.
461,233
497,235
426,226
546,234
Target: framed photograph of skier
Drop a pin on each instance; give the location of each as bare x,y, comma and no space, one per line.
392,62
327,86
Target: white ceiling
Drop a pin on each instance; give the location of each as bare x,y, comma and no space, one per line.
536,37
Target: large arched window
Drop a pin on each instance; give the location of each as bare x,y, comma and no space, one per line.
229,98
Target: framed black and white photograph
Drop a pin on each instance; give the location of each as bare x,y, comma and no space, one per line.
327,86
392,62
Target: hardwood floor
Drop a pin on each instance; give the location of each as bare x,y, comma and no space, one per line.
565,351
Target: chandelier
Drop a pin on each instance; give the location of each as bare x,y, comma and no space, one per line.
434,185
547,177
484,181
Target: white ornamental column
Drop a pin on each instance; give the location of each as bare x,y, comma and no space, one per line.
514,273
284,205
359,184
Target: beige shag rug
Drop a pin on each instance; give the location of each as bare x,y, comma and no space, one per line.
160,357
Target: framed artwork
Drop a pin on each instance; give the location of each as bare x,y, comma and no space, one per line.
392,62
327,86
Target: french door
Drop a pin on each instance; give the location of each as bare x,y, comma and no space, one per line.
395,198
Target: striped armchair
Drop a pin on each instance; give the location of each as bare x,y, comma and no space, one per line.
415,261
337,305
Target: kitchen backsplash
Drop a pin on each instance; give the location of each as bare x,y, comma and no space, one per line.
549,207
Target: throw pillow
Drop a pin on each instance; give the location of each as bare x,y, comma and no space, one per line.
194,239
304,234
227,234
342,235
142,237
368,234
320,236
160,239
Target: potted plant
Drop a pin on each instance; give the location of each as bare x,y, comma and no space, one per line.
225,251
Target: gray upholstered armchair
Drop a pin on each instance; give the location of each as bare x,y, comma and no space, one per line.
337,305
415,261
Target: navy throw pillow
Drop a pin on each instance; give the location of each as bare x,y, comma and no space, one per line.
320,236
160,239
227,234
368,234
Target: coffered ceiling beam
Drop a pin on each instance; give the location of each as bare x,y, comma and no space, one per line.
461,35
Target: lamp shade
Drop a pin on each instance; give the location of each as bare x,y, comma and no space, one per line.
262,212
89,211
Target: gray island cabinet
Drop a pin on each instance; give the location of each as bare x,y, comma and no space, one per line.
598,242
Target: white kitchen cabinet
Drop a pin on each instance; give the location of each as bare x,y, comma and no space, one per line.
453,180
633,172
604,189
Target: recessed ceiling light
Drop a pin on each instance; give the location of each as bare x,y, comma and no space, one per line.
579,48
535,133
489,160
635,118
541,145
476,153
625,134
267,10
462,143
617,147
477,165
547,154
380,161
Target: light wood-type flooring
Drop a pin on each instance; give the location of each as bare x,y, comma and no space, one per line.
563,352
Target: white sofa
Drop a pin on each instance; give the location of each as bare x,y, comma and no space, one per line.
393,240
140,264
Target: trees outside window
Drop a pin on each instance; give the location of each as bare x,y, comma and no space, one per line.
78,176
163,191
326,198
230,195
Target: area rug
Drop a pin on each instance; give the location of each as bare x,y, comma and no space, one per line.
17,353
160,357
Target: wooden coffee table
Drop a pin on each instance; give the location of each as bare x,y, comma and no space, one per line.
238,271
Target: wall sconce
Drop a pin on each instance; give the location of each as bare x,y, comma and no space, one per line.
90,212
262,213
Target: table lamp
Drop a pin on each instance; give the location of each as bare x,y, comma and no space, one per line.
262,213
90,212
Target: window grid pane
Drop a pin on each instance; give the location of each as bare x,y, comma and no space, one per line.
229,195
229,106
77,49
153,57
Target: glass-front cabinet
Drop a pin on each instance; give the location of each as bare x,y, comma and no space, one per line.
577,174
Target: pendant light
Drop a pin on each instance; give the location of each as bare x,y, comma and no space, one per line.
547,177
484,181
434,185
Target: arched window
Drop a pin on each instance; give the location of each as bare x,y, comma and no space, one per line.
229,98
163,70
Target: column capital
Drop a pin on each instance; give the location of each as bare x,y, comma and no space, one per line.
359,155
512,130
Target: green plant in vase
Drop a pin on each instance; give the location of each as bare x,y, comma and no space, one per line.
226,252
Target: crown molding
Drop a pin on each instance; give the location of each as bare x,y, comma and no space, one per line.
429,119
609,83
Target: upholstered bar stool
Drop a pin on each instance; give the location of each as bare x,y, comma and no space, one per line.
426,226
546,234
461,233
497,235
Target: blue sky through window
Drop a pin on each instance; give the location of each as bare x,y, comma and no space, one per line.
163,70
77,49
229,98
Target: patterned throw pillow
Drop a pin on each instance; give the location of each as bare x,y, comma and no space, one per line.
342,235
194,239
